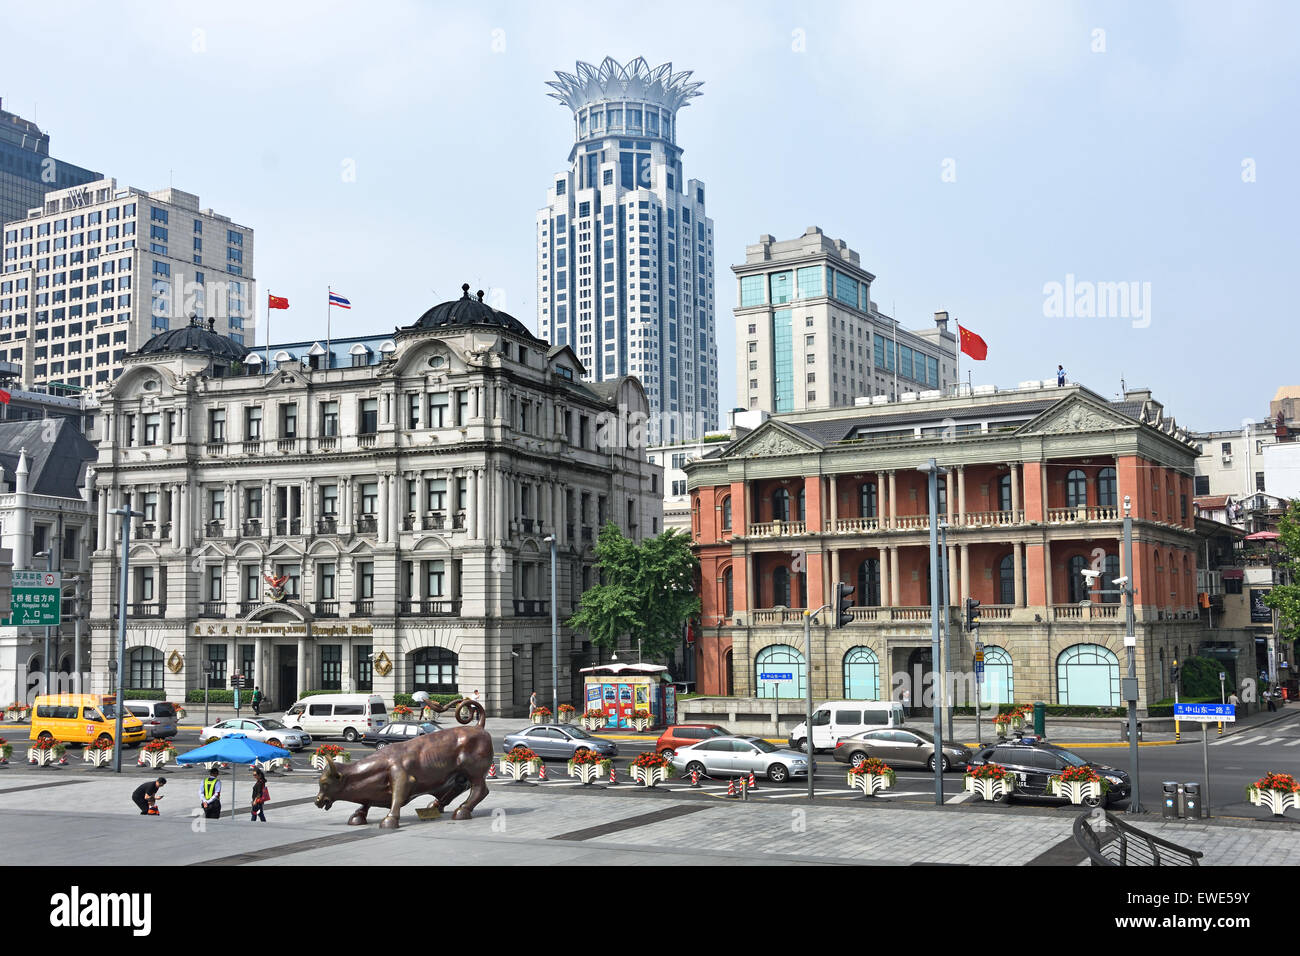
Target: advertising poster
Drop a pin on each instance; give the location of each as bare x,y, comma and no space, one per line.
611,704
670,704
625,705
1260,613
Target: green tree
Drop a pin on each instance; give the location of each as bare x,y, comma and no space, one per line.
1285,598
649,591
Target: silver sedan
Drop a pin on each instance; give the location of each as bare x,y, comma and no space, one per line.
266,729
736,756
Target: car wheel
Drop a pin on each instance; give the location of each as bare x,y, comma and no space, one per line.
856,758
275,742
801,746
695,767
930,764
1091,801
778,773
668,753
350,735
380,745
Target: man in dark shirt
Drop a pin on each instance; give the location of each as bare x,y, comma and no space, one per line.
146,796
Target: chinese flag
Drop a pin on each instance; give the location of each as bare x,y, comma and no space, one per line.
972,344
4,397
276,302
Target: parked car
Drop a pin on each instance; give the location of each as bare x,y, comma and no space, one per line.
901,747
733,756
683,735
560,741
266,729
837,719
82,719
337,715
397,732
1034,761
158,717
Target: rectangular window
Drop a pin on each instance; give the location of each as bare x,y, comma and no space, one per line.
439,406
331,666
326,579
780,287
751,291
846,289
809,281
329,419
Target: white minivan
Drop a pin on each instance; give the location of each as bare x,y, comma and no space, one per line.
348,716
837,719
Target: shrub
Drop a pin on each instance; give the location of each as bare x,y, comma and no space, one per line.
158,694
1199,677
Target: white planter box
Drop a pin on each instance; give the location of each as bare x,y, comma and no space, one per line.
989,789
518,769
649,776
541,719
319,762
1278,801
44,758
592,723
155,758
642,723
1075,791
589,773
97,757
869,783
275,763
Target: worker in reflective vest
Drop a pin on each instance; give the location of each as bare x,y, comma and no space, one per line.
211,795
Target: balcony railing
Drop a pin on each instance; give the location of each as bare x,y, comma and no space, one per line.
214,529
1087,611
288,526
215,448
325,609
527,525
252,447
771,529
778,615
1082,513
529,608
856,525
246,607
364,608
146,609
212,609
435,520
911,522
367,524
144,531
327,443
861,615
327,525
428,607
253,528
367,440
458,521
995,612
286,445
990,519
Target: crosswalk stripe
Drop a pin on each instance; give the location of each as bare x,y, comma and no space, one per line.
1248,740
959,798
1294,743
1275,740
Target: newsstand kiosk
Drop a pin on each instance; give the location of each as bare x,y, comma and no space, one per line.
624,690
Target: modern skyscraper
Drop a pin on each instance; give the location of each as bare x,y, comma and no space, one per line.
624,248
27,170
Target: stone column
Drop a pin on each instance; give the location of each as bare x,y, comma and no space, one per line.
187,517
259,669
177,515
965,573
471,503
835,577
1047,566
954,597
893,560
1017,561
893,504
383,509
1015,489
835,508
302,666
961,495
886,578
103,543
950,479
395,492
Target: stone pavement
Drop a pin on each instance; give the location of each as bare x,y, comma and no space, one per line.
75,816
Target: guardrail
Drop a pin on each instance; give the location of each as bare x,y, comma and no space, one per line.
1122,844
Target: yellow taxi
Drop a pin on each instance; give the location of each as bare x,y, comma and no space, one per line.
82,719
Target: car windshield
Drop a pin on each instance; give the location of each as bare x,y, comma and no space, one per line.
718,732
272,725
1074,760
762,745
109,711
579,733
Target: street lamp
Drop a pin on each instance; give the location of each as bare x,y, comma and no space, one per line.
48,555
126,514
933,471
555,634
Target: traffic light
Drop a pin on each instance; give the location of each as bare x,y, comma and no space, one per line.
843,602
972,614
1173,672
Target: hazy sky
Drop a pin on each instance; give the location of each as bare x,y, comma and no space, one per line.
971,153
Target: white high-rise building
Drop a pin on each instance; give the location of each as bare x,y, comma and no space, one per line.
624,248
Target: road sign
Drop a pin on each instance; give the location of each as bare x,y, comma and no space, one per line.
1206,713
37,599
775,676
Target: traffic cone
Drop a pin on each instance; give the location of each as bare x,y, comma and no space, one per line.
541,773
752,785
492,770
695,778
731,788
613,776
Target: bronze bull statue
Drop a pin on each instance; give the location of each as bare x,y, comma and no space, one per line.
443,764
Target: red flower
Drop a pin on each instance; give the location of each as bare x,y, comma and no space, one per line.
584,757
521,754
651,758
1277,781
593,714
990,771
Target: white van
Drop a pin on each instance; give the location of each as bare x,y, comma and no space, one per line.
337,715
837,719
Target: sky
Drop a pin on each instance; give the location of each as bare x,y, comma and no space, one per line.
1001,161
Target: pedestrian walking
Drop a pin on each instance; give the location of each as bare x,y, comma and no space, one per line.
1060,375
1271,697
907,703
478,698
257,701
211,795
146,796
261,794
532,703
1233,701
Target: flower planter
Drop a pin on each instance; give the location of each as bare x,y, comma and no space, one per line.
869,783
650,776
275,763
541,718
642,723
567,716
517,770
46,756
156,758
6,751
589,773
1277,801
592,723
217,764
1076,791
1010,727
98,756
320,761
990,788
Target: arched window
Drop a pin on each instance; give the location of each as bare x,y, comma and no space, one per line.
868,584
1107,496
1076,489
1087,675
800,514
998,687
435,670
726,513
780,505
1004,493
781,587
729,607
776,660
1077,586
861,674
1007,580
144,668
867,499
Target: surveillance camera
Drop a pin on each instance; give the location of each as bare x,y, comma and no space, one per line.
1091,576
1121,581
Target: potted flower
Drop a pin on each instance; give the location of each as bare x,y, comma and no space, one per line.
542,715
6,750
402,712
593,719
275,763
990,781
588,766
16,711
870,776
329,753
651,767
47,751
566,713
1277,791
642,720
181,712
156,753
98,752
1005,724
519,763
1079,785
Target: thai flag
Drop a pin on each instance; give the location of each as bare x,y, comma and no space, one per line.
341,302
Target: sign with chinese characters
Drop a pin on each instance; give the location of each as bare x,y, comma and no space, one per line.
37,599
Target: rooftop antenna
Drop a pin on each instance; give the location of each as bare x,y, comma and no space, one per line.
1123,388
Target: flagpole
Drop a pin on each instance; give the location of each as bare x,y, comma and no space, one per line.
894,317
266,366
957,387
329,314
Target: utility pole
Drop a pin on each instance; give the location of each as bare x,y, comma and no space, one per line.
555,638
808,673
943,557
1130,645
932,469
123,592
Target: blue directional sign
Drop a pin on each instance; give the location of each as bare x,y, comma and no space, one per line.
775,675
1212,713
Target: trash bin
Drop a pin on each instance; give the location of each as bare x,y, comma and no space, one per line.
1040,718
1123,730
1182,801
1170,810
1193,801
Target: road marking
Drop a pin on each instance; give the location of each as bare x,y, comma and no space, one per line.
1248,740
1275,740
959,798
1293,743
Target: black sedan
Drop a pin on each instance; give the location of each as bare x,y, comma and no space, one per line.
1034,762
397,732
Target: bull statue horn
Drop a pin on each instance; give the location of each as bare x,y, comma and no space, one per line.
330,772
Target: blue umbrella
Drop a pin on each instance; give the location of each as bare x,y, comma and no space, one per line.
233,749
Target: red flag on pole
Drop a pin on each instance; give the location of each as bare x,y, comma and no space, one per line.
4,397
276,302
973,345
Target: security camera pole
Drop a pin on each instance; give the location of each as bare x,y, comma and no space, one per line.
555,637
1130,644
124,573
932,469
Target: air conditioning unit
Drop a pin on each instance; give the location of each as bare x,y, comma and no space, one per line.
1227,459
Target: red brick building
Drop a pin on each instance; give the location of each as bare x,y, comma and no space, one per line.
1034,494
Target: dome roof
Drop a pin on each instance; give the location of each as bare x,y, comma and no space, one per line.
466,311
194,338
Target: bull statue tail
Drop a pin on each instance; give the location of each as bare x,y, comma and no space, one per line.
466,710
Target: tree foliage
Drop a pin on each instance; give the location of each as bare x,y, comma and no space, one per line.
1285,598
1199,677
648,591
